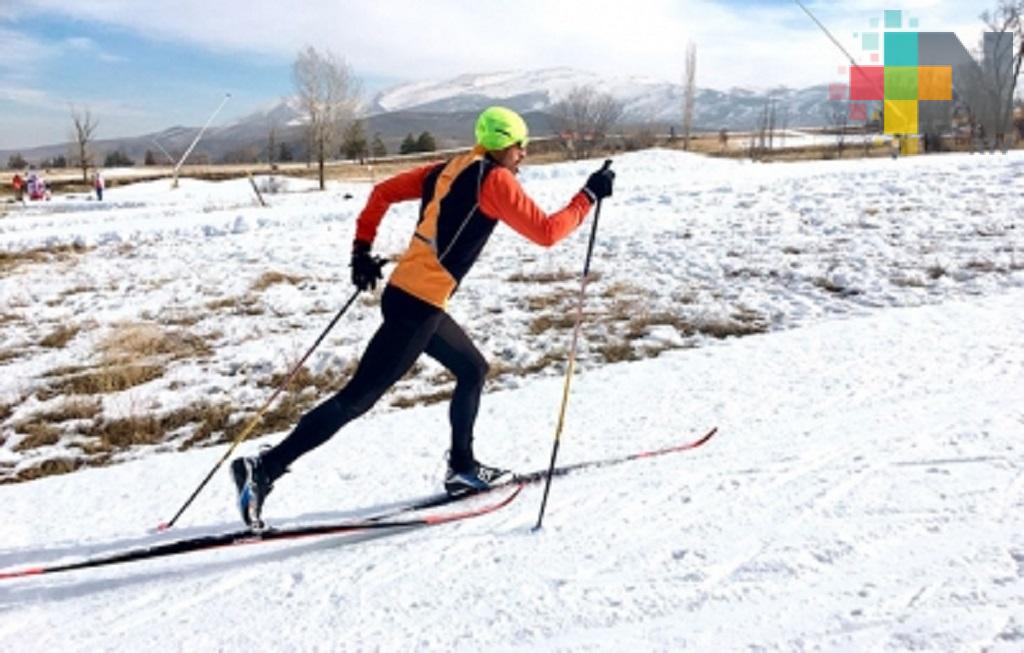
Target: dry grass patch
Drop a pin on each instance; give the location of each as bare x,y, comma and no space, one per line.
60,336
327,381
907,282
422,399
736,325
181,317
542,277
71,409
78,290
982,266
102,379
558,300
618,351
623,288
935,272
50,467
273,277
249,305
639,324
134,341
11,354
37,434
10,260
561,321
120,368
110,436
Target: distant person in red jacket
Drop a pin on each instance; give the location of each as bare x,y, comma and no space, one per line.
461,202
19,187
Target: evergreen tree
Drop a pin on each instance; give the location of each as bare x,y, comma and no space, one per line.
117,159
408,145
284,153
425,143
16,162
377,148
353,142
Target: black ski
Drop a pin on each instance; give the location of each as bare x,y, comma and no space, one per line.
241,537
390,518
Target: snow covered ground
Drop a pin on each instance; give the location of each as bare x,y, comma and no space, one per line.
866,490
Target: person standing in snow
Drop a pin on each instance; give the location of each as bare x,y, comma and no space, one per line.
19,187
461,202
98,185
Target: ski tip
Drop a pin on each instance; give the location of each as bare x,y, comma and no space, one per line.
31,571
163,526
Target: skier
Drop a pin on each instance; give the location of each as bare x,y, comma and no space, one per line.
461,201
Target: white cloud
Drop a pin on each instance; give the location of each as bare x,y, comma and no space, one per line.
407,39
26,96
20,50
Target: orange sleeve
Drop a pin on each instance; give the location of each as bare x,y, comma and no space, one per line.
502,197
400,188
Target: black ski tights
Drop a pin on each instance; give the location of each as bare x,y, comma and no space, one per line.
410,328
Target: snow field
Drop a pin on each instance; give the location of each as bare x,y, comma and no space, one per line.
865,491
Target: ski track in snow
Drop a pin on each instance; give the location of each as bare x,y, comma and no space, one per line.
865,490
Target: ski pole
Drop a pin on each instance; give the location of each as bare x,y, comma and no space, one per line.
572,358
259,415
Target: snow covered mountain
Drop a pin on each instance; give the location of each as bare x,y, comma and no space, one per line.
644,99
444,106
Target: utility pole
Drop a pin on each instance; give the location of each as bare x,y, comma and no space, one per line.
227,96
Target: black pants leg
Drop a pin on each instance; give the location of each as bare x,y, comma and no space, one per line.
451,347
410,327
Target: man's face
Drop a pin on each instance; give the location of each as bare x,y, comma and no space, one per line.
510,157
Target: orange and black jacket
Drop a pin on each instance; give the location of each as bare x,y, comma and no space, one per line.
461,203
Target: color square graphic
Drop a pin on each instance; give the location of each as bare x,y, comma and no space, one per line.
867,83
858,111
935,83
893,19
873,22
869,41
900,116
901,48
901,83
836,92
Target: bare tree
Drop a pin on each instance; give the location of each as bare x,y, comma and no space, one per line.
328,93
689,92
1004,63
584,119
85,125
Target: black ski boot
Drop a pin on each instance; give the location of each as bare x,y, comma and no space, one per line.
475,479
253,486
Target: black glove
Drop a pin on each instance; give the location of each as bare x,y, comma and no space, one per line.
599,185
365,268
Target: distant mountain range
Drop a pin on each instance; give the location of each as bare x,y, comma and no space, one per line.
447,109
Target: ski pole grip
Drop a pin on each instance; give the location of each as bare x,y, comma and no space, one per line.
607,164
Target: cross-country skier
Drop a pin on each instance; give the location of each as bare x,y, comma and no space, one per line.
461,202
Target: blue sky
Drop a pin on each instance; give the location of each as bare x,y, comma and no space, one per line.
144,66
